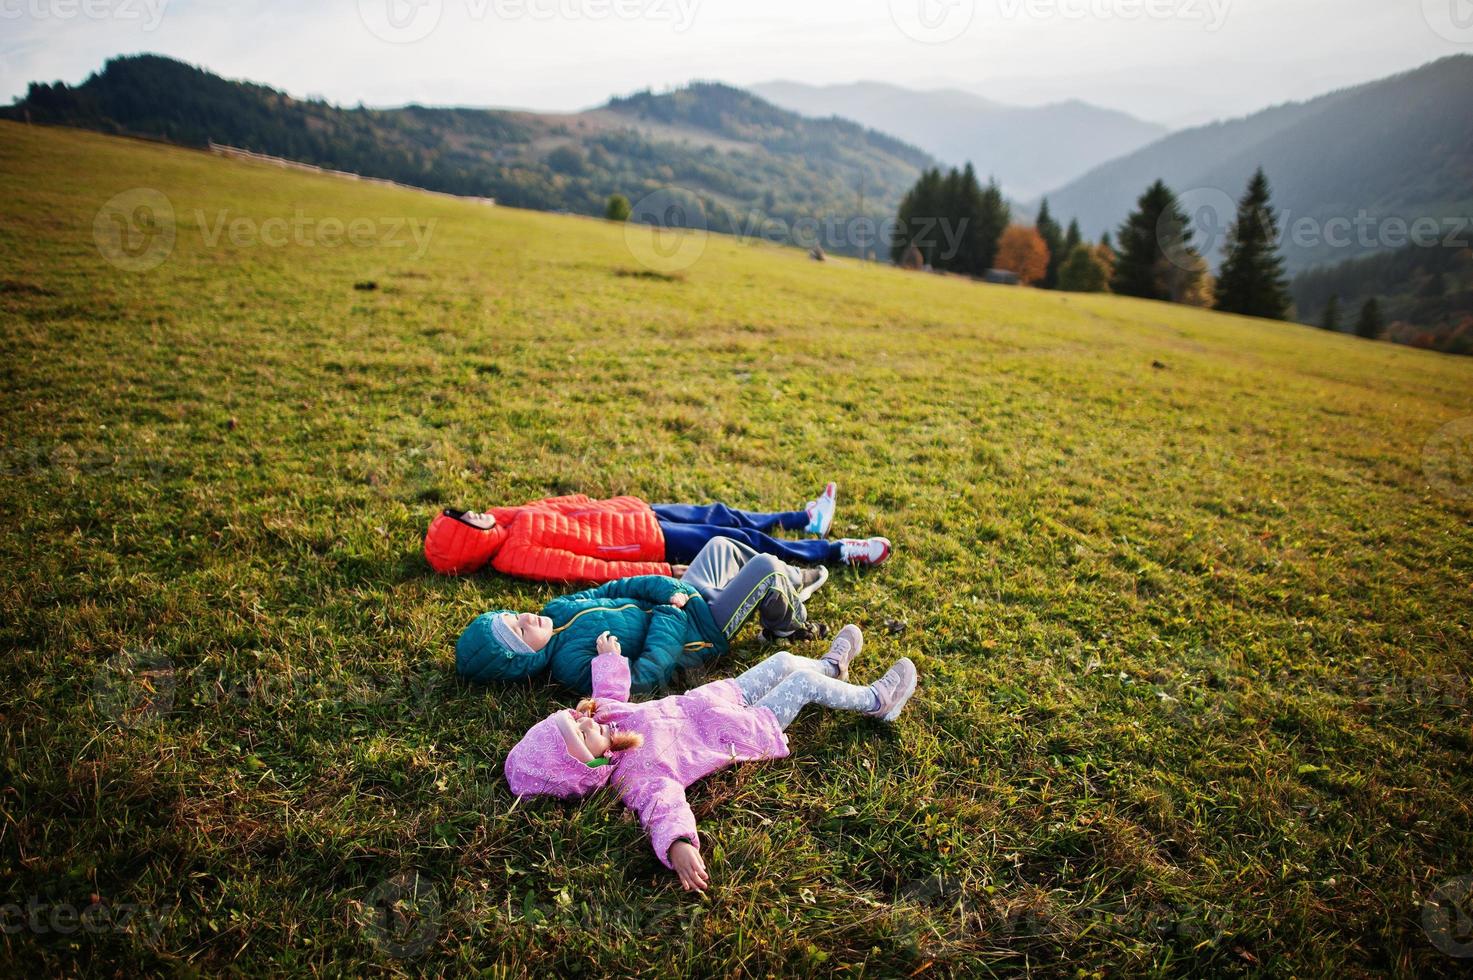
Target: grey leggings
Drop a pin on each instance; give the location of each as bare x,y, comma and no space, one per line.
786,682
734,580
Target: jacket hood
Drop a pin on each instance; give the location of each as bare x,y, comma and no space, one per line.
540,765
453,547
481,657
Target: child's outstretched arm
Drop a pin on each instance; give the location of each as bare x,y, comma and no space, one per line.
610,673
667,818
654,589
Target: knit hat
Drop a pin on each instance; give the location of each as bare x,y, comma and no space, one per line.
456,547
483,656
540,764
508,637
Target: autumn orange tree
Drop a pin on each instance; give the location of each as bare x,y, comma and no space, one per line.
1022,251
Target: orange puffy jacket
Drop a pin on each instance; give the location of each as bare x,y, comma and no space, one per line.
560,539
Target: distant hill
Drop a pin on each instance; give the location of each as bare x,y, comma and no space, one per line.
1426,294
743,158
1028,150
1399,147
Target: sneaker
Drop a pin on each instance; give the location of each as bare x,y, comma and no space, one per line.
812,579
811,630
894,690
864,551
821,511
846,647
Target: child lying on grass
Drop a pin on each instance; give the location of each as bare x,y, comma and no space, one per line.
665,623
651,752
579,539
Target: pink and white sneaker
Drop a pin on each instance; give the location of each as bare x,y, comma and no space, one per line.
845,648
894,689
864,551
821,511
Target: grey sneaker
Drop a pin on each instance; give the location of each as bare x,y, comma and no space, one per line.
894,689
846,647
812,580
811,630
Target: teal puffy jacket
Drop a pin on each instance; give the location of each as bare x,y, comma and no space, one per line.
656,637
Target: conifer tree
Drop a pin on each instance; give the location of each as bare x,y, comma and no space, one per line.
1053,237
1252,280
993,219
1072,238
1154,241
964,214
920,207
952,221
953,210
1331,319
1370,324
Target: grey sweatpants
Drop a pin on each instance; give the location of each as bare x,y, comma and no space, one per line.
786,682
734,580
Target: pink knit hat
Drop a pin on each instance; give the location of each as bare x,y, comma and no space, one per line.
541,764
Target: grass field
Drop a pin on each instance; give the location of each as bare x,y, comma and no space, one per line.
1194,638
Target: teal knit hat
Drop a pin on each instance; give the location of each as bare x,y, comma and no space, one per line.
483,657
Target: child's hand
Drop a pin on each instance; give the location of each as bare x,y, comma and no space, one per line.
679,599
608,643
690,867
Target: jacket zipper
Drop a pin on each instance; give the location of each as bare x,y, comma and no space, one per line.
691,646
632,605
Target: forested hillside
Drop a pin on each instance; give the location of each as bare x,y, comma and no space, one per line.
735,160
1399,149
1424,294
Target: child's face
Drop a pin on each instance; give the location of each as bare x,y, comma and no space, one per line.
586,738
475,519
534,630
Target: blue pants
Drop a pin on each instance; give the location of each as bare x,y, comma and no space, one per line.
688,527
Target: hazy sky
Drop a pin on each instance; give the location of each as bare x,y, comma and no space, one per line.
1174,61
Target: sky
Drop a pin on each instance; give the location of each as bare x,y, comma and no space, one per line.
1178,62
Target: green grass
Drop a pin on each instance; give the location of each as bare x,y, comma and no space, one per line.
1194,640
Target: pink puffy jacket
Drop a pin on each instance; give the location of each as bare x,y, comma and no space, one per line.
686,737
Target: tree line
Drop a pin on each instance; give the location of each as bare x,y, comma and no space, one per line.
788,169
1420,295
950,223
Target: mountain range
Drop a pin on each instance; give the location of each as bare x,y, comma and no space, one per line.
1351,171
723,157
1029,150
1356,167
